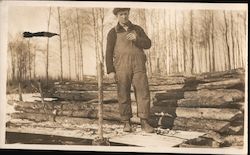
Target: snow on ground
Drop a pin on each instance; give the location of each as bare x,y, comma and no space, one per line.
12,98
28,97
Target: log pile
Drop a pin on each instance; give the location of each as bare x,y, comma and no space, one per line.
88,90
210,102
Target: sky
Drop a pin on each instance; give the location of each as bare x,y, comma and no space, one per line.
35,19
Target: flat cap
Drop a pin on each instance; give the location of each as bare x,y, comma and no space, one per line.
116,10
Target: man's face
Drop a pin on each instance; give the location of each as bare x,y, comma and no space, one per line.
123,16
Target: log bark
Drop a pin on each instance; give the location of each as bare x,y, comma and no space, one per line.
166,80
165,87
194,124
167,103
168,95
83,87
218,79
85,109
231,83
234,130
208,103
36,117
191,84
64,106
231,94
201,113
235,140
75,95
199,143
91,85
72,109
59,119
227,73
184,145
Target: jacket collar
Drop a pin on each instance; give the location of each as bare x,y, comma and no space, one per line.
119,28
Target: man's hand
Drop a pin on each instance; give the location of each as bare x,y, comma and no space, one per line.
112,76
131,36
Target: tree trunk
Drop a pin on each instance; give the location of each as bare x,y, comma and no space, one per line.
34,64
192,42
232,37
47,52
60,38
69,54
184,43
80,45
29,52
176,44
227,42
20,91
213,44
76,55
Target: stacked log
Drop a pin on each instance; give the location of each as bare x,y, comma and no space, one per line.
88,90
210,102
52,110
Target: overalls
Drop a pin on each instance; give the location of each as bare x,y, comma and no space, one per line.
129,62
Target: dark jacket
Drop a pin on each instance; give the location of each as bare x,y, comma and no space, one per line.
142,41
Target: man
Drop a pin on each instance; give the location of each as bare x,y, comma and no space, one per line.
125,62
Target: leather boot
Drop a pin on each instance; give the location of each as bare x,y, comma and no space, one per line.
146,127
127,126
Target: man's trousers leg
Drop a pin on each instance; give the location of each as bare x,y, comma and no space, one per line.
141,88
124,80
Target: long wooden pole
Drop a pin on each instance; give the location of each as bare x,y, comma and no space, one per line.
100,97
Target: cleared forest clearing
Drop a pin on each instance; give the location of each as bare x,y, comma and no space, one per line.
209,103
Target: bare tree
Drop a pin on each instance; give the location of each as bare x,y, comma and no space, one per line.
192,41
98,15
232,38
76,55
13,59
213,43
165,51
60,39
176,45
47,52
29,52
184,41
34,63
80,44
21,51
67,29
227,40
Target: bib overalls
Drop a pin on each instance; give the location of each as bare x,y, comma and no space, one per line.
129,63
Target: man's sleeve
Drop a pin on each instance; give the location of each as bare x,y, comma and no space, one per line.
142,40
111,38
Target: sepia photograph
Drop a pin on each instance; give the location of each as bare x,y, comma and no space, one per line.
124,76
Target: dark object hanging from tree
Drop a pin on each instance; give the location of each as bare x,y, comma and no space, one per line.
38,34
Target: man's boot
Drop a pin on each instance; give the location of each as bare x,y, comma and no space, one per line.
146,127
127,126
